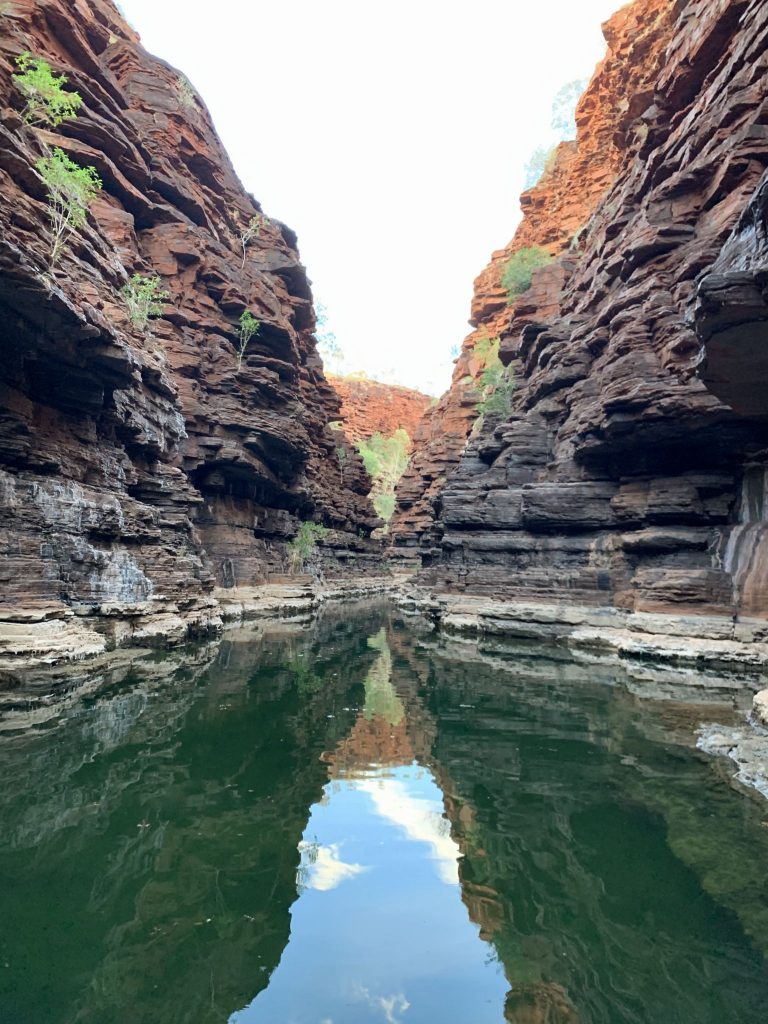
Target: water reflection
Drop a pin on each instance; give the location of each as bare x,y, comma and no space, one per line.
375,937
356,822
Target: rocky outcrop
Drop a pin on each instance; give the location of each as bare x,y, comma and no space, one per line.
142,469
619,479
369,407
556,212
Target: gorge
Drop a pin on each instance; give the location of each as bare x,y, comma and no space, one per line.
271,758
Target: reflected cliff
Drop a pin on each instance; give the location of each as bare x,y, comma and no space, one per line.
361,822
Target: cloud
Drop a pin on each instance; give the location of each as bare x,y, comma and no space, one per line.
421,820
323,870
390,1006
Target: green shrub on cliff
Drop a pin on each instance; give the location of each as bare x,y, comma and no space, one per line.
302,550
496,382
517,274
185,92
249,326
71,190
47,102
144,298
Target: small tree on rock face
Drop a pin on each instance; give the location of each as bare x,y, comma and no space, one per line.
71,190
253,230
495,384
518,273
249,326
144,298
302,550
47,103
185,92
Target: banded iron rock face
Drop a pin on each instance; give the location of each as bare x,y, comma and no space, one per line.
370,407
555,211
619,478
140,468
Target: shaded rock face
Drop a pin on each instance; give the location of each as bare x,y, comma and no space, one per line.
369,407
619,478
140,468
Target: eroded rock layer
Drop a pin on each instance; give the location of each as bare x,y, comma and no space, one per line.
619,478
142,468
555,213
370,407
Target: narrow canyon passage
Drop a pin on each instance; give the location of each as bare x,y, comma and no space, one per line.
360,820
330,700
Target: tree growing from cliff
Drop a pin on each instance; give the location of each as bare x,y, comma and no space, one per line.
495,383
249,326
386,459
185,92
144,298
563,123
564,109
302,550
71,190
518,273
255,224
47,102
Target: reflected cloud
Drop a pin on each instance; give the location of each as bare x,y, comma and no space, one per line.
322,869
390,1006
421,820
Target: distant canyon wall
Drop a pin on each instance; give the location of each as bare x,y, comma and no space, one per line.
371,407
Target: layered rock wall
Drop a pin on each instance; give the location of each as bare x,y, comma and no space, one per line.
370,407
141,468
556,212
619,479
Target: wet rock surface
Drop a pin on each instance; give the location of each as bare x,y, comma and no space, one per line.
140,469
621,477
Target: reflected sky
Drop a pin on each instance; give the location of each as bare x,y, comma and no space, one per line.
351,824
380,933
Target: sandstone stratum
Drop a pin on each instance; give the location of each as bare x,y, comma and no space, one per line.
145,479
623,500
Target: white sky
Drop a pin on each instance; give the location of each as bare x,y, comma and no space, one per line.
391,137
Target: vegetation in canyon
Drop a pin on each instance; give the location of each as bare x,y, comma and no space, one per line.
385,459
302,550
517,274
248,326
144,298
71,191
47,100
252,231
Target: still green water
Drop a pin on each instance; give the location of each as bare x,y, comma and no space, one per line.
357,822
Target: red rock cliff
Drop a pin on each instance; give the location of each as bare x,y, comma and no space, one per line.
140,468
369,407
555,210
619,478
